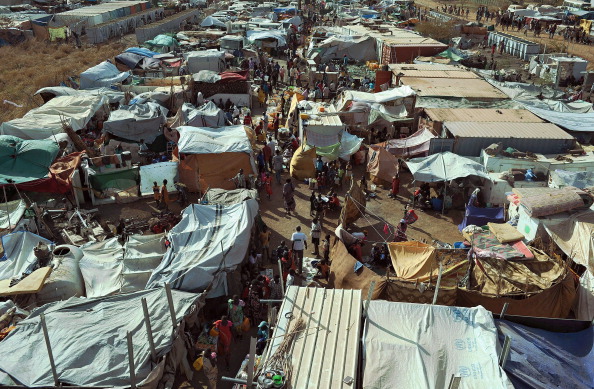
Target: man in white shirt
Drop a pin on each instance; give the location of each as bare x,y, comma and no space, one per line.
272,144
299,240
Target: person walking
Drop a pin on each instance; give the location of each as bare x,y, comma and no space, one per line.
289,196
239,179
224,343
268,185
395,186
165,195
156,193
211,371
265,243
299,240
277,165
235,312
316,232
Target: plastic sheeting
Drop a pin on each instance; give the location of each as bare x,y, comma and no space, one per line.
357,48
445,167
228,197
157,172
112,96
584,306
18,253
104,74
109,267
454,341
207,115
582,122
413,260
88,338
46,121
349,145
25,160
10,213
209,240
414,145
210,21
562,178
136,122
279,36
380,97
541,359
381,165
205,60
204,140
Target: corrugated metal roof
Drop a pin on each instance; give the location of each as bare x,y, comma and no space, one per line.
451,87
327,351
506,130
482,115
403,67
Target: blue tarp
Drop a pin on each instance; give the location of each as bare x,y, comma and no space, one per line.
582,122
542,359
481,216
141,51
103,75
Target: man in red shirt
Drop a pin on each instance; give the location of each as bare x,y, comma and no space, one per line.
267,156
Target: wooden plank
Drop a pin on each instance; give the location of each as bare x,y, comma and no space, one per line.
33,283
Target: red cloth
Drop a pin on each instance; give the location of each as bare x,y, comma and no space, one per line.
395,186
267,152
224,331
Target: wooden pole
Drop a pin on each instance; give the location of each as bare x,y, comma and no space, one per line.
251,362
149,330
280,270
49,350
170,303
131,360
437,284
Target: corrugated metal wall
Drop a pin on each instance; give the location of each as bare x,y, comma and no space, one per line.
473,146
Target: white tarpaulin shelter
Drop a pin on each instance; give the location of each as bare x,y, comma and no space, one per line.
113,96
45,121
574,121
207,242
357,48
205,60
278,35
210,21
207,115
157,172
88,338
10,213
204,140
383,97
445,166
109,267
137,121
18,253
443,341
105,74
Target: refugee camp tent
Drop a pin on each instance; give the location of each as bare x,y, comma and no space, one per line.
227,197
162,43
10,214
210,21
50,92
355,48
137,121
397,354
445,166
46,121
133,61
381,166
207,115
103,75
391,97
92,332
541,359
213,156
25,160
205,60
280,37
209,241
108,267
413,146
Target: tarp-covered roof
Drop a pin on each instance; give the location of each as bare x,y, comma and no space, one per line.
210,21
88,338
104,74
18,256
541,359
416,144
25,160
454,342
209,240
357,48
108,267
137,121
204,140
380,97
583,122
207,115
279,36
113,96
46,121
444,166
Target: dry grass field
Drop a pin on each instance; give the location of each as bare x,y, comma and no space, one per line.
32,65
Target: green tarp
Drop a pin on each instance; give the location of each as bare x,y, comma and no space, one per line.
451,55
25,160
120,179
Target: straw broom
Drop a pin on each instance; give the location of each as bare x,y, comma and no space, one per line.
281,359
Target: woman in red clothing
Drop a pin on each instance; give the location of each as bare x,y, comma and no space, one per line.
224,344
395,186
247,120
268,185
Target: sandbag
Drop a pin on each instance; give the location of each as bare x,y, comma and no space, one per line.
505,233
302,164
